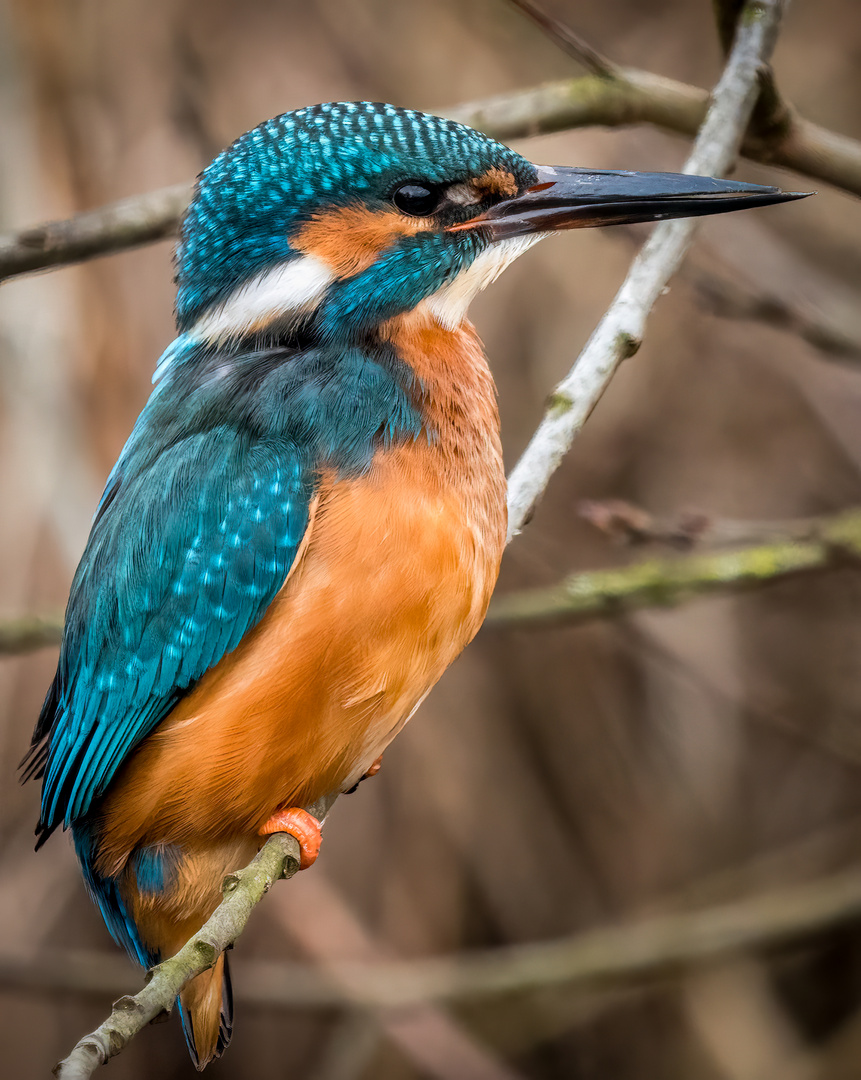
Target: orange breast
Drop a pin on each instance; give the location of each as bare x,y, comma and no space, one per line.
394,580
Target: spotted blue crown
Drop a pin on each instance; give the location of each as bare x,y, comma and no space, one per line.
262,187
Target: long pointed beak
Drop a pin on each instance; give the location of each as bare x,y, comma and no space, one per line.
568,198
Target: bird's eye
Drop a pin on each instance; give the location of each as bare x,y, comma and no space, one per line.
416,198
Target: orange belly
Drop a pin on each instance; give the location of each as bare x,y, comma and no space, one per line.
393,584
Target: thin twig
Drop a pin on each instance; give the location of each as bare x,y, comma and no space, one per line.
619,332
729,298
629,524
567,40
669,582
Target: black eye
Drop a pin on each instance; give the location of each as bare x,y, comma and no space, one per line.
417,199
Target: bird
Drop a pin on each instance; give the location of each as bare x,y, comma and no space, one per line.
306,523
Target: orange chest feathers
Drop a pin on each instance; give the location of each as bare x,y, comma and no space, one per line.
392,581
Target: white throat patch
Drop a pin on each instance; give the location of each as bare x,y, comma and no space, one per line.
293,288
449,304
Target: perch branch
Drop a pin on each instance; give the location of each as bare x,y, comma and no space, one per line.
278,858
618,334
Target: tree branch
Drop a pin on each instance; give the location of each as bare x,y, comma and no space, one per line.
29,632
567,40
117,226
667,582
623,97
616,337
646,950
619,332
278,858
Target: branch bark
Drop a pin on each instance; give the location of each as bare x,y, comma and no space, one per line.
620,98
278,858
668,582
29,632
646,950
618,335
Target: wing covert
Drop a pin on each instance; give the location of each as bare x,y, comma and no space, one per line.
184,557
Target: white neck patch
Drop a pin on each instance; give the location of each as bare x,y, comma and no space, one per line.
293,288
449,304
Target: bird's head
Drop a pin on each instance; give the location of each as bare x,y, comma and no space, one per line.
344,215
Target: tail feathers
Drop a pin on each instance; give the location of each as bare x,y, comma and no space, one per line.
206,1012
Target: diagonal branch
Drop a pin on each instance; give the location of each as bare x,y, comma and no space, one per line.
619,332
567,40
278,858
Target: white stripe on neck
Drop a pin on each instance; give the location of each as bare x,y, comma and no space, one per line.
449,304
292,288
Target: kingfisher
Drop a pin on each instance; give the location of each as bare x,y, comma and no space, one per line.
305,526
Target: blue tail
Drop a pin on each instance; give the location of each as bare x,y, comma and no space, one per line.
105,891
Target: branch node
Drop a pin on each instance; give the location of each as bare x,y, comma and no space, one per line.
627,344
559,403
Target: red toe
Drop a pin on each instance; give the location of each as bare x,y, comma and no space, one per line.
303,826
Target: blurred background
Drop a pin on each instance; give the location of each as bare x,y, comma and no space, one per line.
558,779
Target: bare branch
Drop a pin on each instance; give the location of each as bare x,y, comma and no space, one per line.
647,950
568,40
278,858
831,333
630,96
29,632
118,226
619,332
667,582
629,524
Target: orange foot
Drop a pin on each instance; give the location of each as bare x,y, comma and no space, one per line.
303,826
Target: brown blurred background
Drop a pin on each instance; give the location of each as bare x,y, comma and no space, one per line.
557,779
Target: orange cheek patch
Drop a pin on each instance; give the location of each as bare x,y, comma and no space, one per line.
350,239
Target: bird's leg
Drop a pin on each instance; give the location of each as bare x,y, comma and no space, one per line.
372,771
300,824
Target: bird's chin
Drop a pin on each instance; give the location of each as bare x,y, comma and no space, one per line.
450,303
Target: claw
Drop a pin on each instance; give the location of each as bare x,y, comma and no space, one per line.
303,826
372,771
